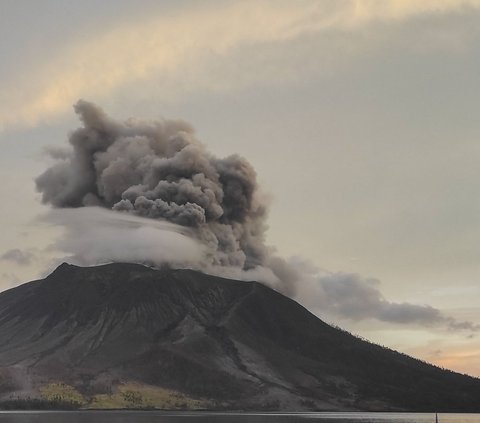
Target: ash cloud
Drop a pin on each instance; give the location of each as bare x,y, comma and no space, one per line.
350,296
150,192
159,170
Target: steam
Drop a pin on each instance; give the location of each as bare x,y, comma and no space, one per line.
149,192
94,236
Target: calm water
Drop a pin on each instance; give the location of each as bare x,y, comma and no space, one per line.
163,417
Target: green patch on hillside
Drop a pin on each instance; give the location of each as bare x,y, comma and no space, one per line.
62,393
134,395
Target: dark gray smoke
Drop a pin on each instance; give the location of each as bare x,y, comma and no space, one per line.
159,170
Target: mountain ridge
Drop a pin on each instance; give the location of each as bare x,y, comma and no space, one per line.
203,342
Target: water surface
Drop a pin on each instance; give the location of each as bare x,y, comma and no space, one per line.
203,417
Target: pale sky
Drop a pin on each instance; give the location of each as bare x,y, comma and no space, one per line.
360,117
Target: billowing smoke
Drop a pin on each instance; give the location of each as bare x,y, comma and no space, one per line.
159,170
170,200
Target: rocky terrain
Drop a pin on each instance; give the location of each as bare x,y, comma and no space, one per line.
125,335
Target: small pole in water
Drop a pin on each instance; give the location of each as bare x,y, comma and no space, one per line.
436,418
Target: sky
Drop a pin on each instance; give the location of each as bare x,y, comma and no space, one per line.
360,118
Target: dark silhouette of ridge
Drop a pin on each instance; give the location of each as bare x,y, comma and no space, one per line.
223,343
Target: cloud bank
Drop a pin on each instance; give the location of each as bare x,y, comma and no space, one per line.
161,47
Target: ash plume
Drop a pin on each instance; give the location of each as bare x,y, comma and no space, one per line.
166,199
159,170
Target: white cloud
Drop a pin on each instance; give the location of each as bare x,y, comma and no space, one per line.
93,236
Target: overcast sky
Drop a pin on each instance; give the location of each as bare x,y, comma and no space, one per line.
360,117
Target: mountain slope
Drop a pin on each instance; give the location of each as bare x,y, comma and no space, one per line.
201,340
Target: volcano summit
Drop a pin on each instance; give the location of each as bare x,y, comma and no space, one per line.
125,335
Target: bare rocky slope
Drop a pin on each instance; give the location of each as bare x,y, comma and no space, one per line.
204,341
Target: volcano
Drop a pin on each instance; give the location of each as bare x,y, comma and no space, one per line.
126,335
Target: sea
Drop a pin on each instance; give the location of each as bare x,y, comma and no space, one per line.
204,417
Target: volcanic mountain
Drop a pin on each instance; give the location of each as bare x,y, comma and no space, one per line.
125,335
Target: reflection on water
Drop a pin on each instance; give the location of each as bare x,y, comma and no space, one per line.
201,417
